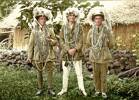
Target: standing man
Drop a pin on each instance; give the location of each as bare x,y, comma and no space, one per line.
40,49
71,37
100,40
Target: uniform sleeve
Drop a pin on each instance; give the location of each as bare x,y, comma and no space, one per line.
88,40
30,50
79,45
53,37
111,39
62,42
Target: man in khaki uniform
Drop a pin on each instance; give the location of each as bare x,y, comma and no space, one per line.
100,40
71,41
40,48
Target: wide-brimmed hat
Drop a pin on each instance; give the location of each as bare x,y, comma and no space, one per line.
97,11
97,14
73,10
39,11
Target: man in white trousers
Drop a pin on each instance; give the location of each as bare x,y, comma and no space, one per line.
71,40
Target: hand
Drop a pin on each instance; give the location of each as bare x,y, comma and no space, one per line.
50,40
72,51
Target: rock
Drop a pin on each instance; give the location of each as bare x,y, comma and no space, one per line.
14,58
18,57
122,61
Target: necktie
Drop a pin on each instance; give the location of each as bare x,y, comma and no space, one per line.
98,30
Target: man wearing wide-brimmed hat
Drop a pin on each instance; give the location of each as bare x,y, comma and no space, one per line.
40,48
71,41
100,40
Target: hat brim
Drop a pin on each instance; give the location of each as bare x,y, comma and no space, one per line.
37,17
93,16
70,13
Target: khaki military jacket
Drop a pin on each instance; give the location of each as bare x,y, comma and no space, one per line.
71,38
39,48
100,41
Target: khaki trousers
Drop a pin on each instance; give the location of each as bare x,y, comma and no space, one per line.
49,67
100,75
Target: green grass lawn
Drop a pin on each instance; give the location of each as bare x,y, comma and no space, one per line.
20,84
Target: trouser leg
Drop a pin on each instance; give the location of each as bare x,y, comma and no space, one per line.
78,70
103,77
96,75
66,71
49,67
40,76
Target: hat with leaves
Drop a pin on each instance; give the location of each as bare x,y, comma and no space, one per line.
39,11
99,11
72,10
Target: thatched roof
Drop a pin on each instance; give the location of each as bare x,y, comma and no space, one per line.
127,12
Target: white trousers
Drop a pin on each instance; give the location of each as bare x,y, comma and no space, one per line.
66,71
